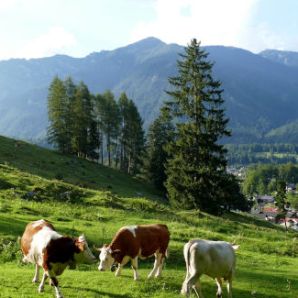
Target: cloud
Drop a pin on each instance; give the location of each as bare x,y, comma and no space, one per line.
212,21
6,5
57,39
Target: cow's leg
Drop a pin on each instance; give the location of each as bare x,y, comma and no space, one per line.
229,287
219,287
55,285
134,265
156,264
197,288
36,275
118,271
192,282
160,266
124,261
43,280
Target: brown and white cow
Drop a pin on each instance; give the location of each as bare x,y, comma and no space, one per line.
213,258
133,242
46,248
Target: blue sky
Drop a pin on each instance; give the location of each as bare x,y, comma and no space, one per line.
39,28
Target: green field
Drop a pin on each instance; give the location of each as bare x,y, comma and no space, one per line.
78,196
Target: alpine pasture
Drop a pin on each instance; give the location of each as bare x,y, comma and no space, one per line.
78,196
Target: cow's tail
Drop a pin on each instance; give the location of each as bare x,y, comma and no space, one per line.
167,253
186,254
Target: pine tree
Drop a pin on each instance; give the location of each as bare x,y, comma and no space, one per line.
160,134
82,113
58,133
136,140
110,122
99,112
123,104
198,164
70,89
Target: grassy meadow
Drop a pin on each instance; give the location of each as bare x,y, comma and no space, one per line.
78,196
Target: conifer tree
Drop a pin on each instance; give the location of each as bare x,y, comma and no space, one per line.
136,140
198,164
131,136
123,104
82,113
160,134
99,112
57,113
110,122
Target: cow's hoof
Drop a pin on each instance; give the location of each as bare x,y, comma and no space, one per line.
35,280
40,289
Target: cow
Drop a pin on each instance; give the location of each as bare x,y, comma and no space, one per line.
44,247
133,242
213,258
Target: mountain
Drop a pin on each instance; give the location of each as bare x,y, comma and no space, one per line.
284,57
261,94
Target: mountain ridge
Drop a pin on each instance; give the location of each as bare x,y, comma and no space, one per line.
260,93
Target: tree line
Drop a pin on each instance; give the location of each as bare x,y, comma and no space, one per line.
183,155
97,127
263,179
245,154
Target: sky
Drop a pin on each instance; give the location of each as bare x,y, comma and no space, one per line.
42,28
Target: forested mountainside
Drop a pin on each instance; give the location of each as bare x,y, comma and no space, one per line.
261,94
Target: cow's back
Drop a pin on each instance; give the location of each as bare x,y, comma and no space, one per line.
35,238
152,238
214,258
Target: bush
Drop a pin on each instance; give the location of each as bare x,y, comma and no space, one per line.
9,250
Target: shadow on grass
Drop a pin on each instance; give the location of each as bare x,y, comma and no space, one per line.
97,292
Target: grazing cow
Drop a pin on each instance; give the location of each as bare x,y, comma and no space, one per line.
133,242
44,247
213,258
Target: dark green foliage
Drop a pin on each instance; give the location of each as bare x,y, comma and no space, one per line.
58,111
96,127
160,134
245,154
131,138
196,171
262,179
280,197
72,126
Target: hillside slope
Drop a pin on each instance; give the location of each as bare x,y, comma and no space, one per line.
28,191
260,94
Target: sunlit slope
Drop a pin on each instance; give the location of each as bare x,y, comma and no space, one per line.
267,258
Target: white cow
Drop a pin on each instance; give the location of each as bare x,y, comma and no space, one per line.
213,258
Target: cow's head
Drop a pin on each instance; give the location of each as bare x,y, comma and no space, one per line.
107,258
83,253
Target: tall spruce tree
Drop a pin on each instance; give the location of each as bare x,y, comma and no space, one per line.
82,113
58,111
110,122
136,140
160,134
198,164
131,136
125,131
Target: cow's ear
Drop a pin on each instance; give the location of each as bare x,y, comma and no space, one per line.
82,238
80,245
115,252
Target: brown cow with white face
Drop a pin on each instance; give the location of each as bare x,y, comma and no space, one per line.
133,242
46,248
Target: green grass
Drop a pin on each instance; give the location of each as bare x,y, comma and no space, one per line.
81,202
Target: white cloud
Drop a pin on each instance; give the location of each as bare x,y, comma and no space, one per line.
57,39
6,5
212,22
